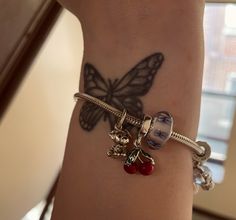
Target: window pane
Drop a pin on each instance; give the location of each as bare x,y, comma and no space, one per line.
220,48
219,81
216,116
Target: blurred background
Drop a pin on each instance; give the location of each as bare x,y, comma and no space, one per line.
39,73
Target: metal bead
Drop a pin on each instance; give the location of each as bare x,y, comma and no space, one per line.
207,152
146,124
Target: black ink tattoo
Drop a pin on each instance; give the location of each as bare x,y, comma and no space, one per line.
120,93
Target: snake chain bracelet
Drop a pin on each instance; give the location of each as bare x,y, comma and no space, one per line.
157,130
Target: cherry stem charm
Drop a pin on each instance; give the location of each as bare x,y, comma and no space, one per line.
139,160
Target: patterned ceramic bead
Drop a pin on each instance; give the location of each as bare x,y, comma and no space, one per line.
160,130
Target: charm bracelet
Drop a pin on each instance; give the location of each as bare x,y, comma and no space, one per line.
155,131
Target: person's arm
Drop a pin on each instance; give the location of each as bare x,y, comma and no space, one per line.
117,36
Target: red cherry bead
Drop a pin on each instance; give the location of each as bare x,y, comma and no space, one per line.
146,168
130,168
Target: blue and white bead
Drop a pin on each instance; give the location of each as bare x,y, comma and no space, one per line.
160,130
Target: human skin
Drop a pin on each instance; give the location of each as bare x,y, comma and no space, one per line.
117,35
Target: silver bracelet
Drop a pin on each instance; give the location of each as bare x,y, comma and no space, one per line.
155,131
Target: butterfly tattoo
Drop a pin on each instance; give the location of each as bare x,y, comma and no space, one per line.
120,93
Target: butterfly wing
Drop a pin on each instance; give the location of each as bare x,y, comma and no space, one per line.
135,83
139,79
133,105
96,86
89,116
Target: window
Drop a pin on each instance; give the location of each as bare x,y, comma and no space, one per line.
230,19
219,82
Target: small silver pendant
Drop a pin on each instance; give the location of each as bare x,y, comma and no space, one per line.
202,177
120,139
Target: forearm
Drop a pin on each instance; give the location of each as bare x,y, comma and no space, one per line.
117,36
114,43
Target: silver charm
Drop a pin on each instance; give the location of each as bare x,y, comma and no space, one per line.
120,138
202,177
138,159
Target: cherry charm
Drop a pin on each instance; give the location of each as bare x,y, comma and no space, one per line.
146,168
130,168
139,160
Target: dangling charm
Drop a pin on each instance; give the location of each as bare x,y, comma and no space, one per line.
139,160
120,138
202,177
